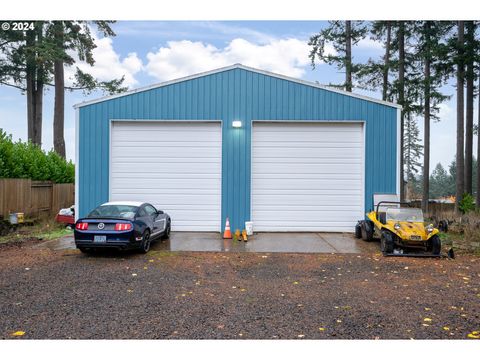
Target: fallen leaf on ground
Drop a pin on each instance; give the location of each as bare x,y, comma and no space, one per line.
151,260
301,336
321,329
18,333
134,274
427,320
446,328
295,282
129,290
428,309
339,321
474,335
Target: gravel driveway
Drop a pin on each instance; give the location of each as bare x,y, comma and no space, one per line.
166,295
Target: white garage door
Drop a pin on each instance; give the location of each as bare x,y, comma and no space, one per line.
307,176
176,166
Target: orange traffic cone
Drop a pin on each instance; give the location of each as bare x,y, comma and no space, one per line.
227,234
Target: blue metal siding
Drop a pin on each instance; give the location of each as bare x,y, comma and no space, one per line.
235,94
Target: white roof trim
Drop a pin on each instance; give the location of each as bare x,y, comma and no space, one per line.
231,67
126,203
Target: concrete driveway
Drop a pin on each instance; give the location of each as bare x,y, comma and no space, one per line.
340,243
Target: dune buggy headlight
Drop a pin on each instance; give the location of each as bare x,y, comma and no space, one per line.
429,228
397,226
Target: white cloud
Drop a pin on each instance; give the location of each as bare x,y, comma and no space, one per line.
108,64
369,44
182,58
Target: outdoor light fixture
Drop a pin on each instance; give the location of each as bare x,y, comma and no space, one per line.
237,124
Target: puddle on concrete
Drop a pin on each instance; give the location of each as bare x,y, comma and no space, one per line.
261,242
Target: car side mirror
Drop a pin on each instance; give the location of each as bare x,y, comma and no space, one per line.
159,212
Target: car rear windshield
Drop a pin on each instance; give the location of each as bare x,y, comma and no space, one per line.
405,214
114,211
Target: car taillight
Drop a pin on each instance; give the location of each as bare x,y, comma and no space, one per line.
81,226
123,227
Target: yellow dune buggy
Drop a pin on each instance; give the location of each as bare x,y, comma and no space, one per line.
401,230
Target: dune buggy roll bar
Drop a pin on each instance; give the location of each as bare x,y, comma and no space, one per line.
392,202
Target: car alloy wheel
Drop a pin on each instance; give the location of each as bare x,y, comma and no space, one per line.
167,232
146,242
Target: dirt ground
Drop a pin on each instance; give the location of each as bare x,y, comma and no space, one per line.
47,294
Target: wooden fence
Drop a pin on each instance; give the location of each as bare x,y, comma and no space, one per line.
440,211
34,198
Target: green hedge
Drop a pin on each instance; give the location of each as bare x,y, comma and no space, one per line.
29,161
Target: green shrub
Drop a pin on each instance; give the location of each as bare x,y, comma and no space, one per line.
29,161
467,203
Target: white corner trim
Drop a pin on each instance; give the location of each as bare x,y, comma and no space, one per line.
399,153
238,66
77,163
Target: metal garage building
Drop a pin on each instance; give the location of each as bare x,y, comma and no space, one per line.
305,157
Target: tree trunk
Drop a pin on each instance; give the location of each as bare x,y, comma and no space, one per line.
401,101
426,138
34,80
478,150
59,108
460,120
470,75
386,60
30,85
348,56
38,96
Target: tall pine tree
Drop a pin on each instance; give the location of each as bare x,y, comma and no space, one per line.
342,35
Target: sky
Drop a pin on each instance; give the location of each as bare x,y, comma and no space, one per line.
148,52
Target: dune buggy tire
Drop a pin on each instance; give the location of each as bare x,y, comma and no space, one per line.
435,245
367,230
386,243
358,231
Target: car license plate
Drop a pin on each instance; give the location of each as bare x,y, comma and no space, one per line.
415,237
100,239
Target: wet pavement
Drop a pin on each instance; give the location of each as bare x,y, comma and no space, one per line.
340,243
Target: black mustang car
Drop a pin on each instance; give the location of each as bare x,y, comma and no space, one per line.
121,225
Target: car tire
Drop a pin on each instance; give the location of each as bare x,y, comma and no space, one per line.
435,245
358,231
146,242
367,230
386,243
166,235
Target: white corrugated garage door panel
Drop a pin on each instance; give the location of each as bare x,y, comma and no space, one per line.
307,176
176,166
